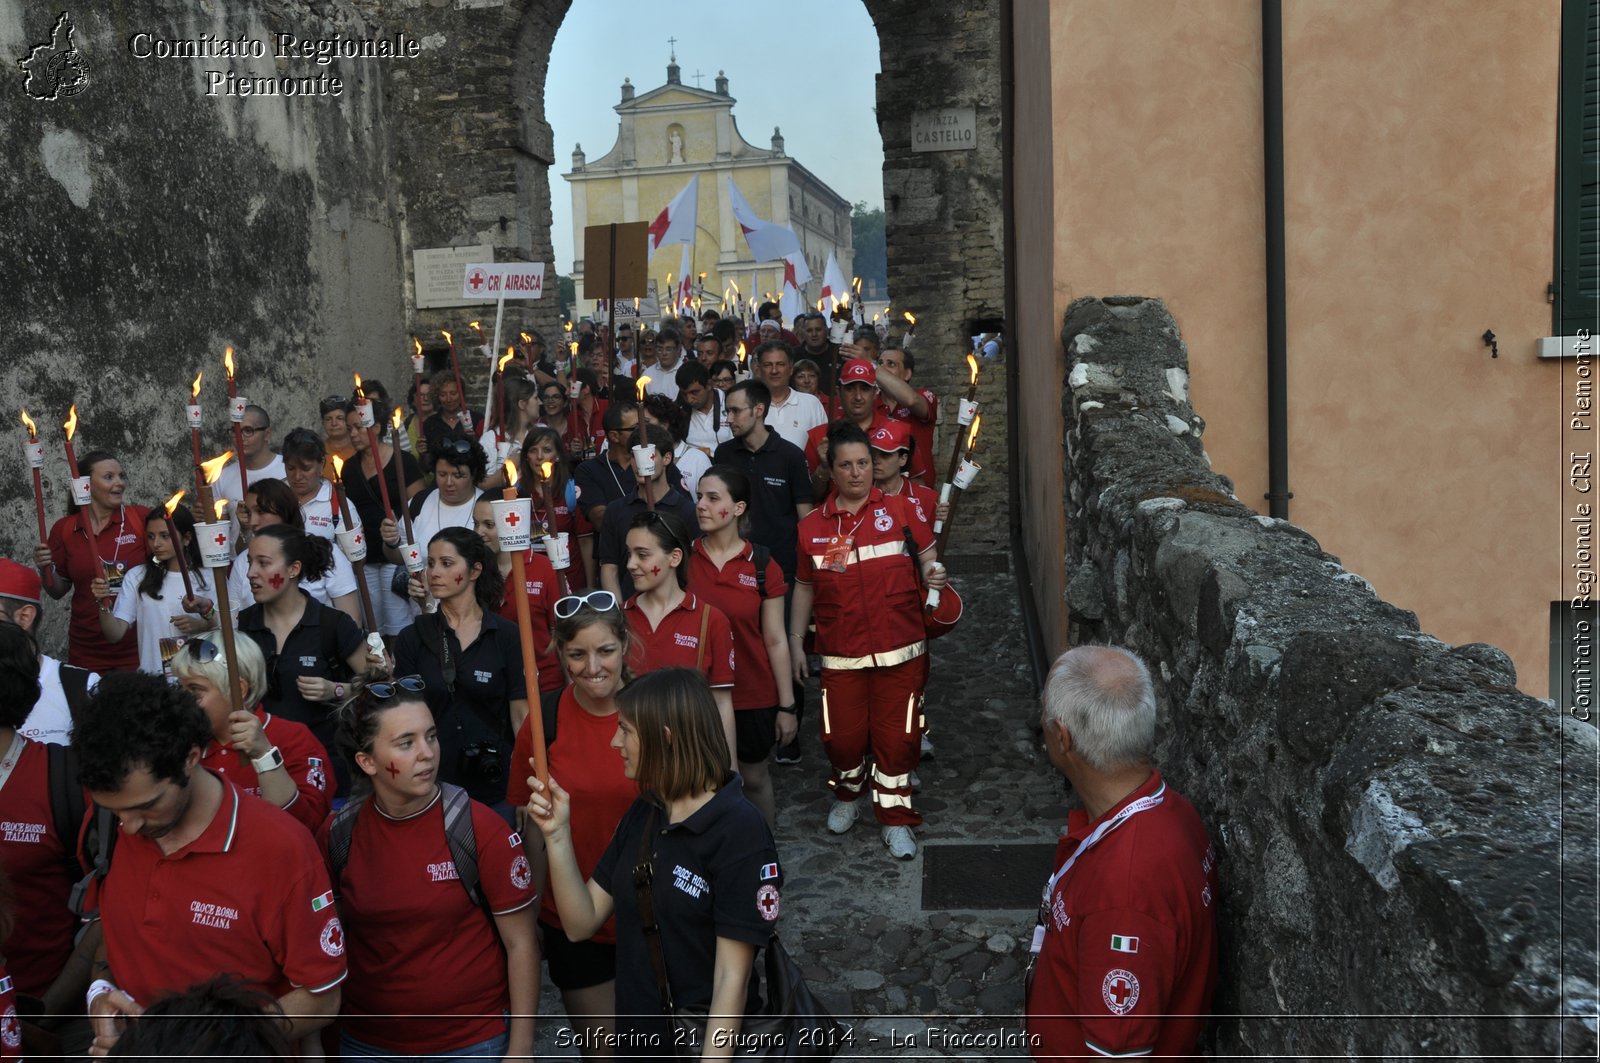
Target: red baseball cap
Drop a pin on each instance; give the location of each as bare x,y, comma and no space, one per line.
858,371
890,437
19,581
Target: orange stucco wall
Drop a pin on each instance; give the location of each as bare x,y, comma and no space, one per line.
1419,170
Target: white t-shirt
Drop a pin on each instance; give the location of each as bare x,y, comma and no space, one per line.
625,366
663,381
700,434
491,450
796,416
227,486
51,718
335,584
435,515
152,618
318,514
692,464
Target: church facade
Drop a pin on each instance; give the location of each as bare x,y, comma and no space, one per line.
672,133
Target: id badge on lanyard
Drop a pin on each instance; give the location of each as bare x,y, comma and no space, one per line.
836,558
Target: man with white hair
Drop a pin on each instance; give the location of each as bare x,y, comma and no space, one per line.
1125,953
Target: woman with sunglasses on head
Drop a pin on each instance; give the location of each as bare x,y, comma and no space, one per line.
151,599
715,879
542,445
434,969
671,627
470,657
542,588
266,504
336,432
104,539
392,609
592,647
723,570
502,442
458,465
313,651
275,759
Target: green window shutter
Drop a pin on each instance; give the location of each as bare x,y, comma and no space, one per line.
1577,304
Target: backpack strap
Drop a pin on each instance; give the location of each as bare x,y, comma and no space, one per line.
759,555
75,685
463,842
341,831
67,805
550,713
98,842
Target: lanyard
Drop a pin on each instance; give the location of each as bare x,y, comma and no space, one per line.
94,540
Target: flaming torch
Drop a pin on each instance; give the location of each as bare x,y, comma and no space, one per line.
960,480
216,553
418,361
33,451
461,391
236,407
177,542
512,518
399,473
80,484
192,411
911,328
500,396
353,541
365,417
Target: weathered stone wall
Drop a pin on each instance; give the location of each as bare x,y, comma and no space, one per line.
147,226
1407,841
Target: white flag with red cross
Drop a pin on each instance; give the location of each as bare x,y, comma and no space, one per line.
676,223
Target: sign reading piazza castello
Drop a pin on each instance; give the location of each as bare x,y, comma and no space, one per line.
950,129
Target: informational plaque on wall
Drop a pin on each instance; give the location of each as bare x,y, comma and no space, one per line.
950,129
437,273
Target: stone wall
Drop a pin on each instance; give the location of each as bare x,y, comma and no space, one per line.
1408,841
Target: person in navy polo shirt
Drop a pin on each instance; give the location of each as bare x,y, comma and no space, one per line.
610,545
1126,946
205,878
715,883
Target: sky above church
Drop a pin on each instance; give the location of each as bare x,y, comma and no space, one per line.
809,69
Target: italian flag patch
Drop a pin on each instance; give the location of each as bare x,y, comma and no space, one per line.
326,900
1122,944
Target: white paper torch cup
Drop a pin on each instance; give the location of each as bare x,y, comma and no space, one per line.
80,490
573,388
417,362
965,472
513,519
353,543
236,408
559,550
364,416
644,461
836,333
215,543
193,411
966,412
34,452
416,560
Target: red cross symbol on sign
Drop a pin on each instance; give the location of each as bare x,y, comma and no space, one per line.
512,520
1121,990
221,539
475,279
357,540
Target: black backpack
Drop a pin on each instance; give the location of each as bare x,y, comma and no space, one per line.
68,809
458,834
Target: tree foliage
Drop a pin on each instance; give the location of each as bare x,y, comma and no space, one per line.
872,256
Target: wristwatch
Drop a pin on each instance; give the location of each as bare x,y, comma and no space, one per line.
271,760
338,692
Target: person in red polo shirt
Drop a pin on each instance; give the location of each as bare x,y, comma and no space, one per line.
1126,946
104,539
722,570
205,878
860,574
916,408
267,756
671,627
858,402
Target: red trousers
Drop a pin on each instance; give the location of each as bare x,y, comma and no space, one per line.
876,709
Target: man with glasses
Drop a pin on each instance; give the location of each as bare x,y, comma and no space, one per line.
581,423
609,476
260,461
625,357
611,544
669,350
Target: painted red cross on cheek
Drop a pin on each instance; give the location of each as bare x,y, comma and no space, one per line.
459,578
655,570
722,513
276,581
394,772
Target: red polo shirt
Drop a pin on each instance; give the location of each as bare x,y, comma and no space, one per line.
580,428
429,971
676,643
303,758
921,428
542,589
875,605
922,501
10,1026
1130,943
79,558
820,433
249,897
733,589
35,860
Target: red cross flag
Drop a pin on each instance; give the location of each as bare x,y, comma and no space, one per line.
767,240
676,223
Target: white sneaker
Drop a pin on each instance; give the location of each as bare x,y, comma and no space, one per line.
843,816
901,842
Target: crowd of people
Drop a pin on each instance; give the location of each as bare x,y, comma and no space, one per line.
323,783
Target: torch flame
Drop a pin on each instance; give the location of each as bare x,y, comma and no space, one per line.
416,345
359,390
213,468
819,306
643,383
526,338
743,358
702,276
511,474
546,468
220,508
195,387
172,503
227,362
500,366
71,423
396,418
33,429
476,326
566,326
338,466
912,318
447,337
972,437
972,364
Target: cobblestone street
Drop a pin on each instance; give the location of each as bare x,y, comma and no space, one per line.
917,983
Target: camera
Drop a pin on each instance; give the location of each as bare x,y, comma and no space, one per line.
480,762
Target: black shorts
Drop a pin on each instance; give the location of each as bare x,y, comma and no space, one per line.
753,731
577,964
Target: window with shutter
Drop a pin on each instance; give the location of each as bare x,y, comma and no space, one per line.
1577,302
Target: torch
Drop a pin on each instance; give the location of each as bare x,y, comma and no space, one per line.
500,434
399,474
911,329
33,451
641,450
556,545
236,407
354,544
461,391
80,484
177,541
365,418
965,415
216,553
512,518
961,479
417,364
192,411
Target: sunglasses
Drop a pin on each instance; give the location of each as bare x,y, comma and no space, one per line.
458,447
381,692
599,601
655,517
203,651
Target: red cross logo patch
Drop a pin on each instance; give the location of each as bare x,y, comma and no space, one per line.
512,520
1120,991
333,938
767,902
475,280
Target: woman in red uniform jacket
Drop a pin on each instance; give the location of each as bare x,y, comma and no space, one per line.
592,645
672,628
858,562
103,539
431,972
722,570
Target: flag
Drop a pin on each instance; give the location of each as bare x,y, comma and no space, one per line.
767,240
676,223
686,283
834,287
789,302
1124,944
324,901
797,263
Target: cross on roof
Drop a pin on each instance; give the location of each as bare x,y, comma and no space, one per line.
697,76
673,41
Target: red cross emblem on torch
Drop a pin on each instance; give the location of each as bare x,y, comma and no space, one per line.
221,539
512,520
